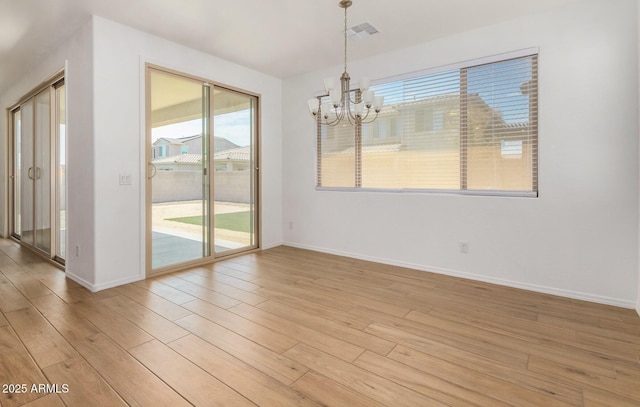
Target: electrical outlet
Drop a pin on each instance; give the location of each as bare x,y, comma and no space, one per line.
464,247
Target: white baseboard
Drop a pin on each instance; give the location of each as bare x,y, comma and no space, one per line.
267,246
638,305
103,286
478,277
116,283
80,281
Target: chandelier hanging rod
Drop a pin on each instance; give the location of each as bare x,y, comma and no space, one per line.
365,102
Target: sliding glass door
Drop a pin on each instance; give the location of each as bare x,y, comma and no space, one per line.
16,172
41,171
234,160
60,168
26,172
201,171
37,171
178,170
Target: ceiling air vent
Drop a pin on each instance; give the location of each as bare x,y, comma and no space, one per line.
361,31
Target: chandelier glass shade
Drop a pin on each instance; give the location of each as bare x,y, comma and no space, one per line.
357,105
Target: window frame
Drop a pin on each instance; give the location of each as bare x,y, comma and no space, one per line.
463,190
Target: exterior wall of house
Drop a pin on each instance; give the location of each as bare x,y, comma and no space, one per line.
160,149
174,149
194,146
579,238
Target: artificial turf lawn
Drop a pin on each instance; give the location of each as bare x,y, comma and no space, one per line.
237,221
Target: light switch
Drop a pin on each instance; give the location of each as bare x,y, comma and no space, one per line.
125,179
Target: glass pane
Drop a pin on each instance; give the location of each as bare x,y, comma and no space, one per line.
42,171
178,184
502,125
61,204
234,130
415,140
17,173
27,171
337,156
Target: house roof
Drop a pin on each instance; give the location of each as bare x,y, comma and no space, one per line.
235,154
453,97
180,140
519,125
180,159
380,148
220,143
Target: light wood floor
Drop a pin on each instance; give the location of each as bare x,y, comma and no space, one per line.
289,327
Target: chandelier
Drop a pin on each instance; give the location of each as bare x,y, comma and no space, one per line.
362,108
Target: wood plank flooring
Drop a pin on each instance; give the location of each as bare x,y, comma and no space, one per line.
289,327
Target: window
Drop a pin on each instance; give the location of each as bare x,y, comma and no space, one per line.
471,129
511,148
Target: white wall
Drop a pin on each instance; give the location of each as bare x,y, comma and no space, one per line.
119,56
578,239
105,86
76,54
638,40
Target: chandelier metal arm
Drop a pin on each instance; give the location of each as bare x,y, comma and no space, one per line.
341,105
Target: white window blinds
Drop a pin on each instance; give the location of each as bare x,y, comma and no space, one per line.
466,129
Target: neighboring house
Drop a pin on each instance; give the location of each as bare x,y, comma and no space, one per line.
423,137
236,159
408,123
169,147
180,162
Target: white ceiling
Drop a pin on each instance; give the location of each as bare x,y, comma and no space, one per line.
278,37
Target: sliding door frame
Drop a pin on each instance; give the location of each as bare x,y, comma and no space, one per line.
257,182
11,113
50,85
55,167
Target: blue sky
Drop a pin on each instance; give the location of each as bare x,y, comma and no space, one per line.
505,97
235,127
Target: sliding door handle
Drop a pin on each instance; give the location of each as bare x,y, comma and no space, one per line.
38,172
152,170
30,173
